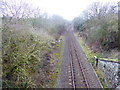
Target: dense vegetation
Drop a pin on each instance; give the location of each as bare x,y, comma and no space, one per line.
99,26
98,32
28,40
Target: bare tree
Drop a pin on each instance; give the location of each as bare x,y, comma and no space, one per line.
119,25
37,12
99,10
15,9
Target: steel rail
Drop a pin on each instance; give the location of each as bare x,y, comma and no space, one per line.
80,65
71,66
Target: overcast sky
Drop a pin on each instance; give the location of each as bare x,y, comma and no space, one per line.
68,9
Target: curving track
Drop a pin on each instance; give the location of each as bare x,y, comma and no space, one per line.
76,72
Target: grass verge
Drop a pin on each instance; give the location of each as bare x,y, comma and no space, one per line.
57,61
90,55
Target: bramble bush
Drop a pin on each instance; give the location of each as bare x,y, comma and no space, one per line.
26,51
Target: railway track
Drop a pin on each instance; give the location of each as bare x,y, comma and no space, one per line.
78,78
76,71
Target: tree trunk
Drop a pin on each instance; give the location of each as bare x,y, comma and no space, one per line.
119,25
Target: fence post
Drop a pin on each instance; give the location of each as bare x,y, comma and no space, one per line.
96,59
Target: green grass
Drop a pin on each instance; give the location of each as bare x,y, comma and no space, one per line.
57,57
90,55
109,59
100,76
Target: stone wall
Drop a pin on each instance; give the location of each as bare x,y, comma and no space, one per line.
110,72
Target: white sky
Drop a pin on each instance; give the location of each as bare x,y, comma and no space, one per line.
68,9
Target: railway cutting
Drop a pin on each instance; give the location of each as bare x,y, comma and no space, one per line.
76,71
